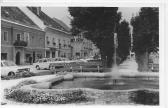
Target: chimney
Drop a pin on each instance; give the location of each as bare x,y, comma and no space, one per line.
35,10
38,10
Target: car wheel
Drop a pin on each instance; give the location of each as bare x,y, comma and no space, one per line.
11,74
37,67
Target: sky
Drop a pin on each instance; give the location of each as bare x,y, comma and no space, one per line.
62,13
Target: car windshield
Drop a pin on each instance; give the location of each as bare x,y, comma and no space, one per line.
9,63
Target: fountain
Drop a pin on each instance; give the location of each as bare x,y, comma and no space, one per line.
114,80
114,70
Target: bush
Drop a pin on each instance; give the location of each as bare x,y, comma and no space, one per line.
145,97
42,97
27,74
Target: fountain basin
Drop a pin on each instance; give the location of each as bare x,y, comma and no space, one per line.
108,83
89,92
101,81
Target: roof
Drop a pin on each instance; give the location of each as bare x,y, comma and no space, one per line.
62,24
47,20
14,14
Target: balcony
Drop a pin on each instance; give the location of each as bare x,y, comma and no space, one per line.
20,43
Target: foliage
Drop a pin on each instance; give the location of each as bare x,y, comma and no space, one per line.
43,97
27,74
145,97
146,30
145,35
97,24
123,40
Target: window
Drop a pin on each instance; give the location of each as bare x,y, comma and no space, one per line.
47,54
53,54
26,36
47,40
18,37
77,54
5,36
3,56
27,56
54,41
64,43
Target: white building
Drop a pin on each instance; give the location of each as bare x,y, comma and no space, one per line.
83,48
57,38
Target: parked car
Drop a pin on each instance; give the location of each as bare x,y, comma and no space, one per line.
9,68
44,63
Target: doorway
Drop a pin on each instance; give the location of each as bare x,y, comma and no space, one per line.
18,58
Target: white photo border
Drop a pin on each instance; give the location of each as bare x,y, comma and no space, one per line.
162,41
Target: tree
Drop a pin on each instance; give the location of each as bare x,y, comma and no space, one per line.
98,24
124,40
145,35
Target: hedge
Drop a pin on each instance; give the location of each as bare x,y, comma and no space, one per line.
145,97
43,97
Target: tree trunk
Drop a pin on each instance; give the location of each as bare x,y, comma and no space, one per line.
142,60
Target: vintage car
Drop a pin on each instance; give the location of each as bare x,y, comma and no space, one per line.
44,63
9,68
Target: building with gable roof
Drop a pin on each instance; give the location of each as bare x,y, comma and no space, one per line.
57,38
22,41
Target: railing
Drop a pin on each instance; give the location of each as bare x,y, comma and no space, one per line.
20,43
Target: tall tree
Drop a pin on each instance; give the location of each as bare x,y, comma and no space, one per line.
98,25
124,40
145,35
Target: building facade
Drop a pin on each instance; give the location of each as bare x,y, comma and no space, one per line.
22,41
58,44
83,48
57,38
